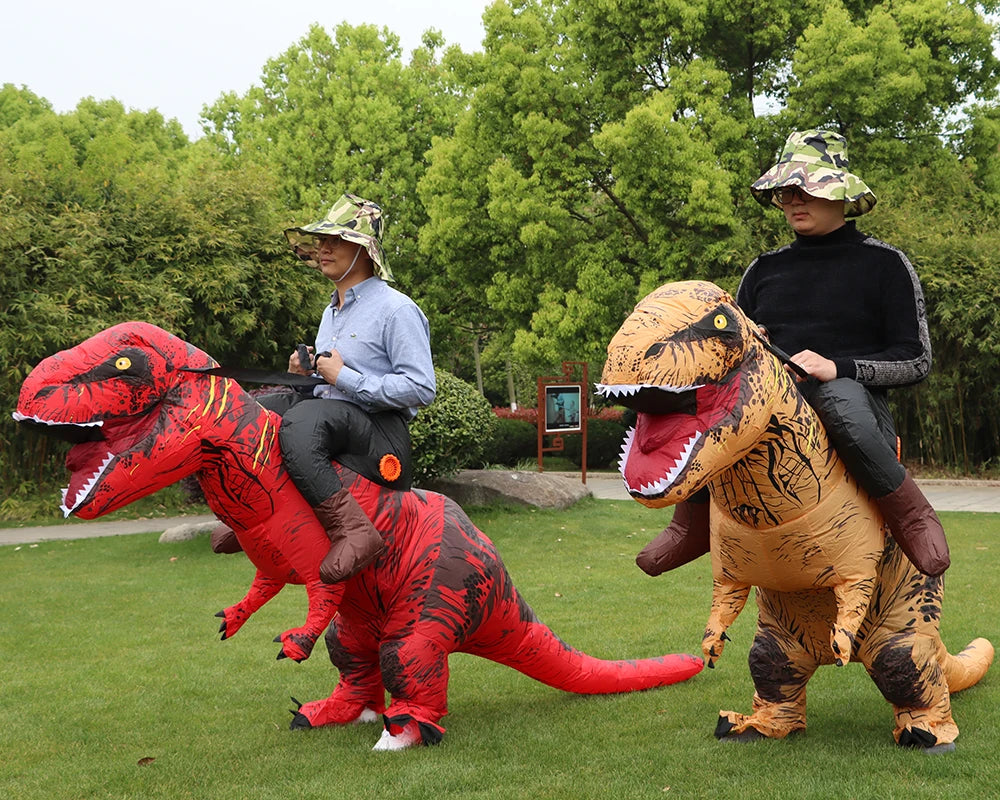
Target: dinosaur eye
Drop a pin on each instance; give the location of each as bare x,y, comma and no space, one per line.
718,321
123,363
654,350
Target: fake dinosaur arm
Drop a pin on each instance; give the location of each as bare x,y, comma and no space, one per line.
324,599
728,600
261,590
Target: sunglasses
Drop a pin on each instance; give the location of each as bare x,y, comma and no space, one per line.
787,194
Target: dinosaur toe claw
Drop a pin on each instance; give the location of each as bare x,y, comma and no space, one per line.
300,722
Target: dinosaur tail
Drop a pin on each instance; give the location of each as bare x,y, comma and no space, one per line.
966,668
545,657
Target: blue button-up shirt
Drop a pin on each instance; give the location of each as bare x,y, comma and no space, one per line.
384,339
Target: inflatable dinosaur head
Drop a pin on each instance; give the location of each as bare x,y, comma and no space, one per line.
118,398
687,361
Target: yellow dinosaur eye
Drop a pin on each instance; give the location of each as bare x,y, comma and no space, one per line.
720,321
123,363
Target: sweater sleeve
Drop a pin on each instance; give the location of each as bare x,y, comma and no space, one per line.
905,358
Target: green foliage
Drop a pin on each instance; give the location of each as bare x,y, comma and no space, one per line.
451,432
513,441
107,216
344,113
534,191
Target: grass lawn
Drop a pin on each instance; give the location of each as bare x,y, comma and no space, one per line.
114,684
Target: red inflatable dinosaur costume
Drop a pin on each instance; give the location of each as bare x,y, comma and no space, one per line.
142,420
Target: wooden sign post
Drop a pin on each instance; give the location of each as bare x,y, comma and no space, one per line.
562,409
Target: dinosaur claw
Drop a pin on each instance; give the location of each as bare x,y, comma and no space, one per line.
298,705
299,721
220,613
281,655
277,638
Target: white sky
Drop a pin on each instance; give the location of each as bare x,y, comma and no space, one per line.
180,55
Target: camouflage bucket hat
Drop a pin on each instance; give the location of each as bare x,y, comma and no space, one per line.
352,218
816,162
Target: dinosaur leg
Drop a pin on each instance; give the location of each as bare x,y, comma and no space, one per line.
905,668
415,671
781,665
359,695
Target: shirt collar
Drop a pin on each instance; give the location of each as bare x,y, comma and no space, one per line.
356,291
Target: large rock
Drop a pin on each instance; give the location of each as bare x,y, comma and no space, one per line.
187,530
483,487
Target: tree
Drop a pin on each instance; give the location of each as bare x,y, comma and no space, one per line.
343,113
575,181
109,216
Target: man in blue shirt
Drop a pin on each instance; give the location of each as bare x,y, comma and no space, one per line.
373,350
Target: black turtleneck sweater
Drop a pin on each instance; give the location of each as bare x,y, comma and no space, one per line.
848,297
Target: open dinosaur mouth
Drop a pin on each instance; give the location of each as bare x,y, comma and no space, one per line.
670,430
96,446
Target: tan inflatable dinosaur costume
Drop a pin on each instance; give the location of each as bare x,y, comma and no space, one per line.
717,410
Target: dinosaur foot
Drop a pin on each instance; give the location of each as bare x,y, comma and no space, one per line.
327,712
749,735
408,737
299,720
736,727
924,741
723,732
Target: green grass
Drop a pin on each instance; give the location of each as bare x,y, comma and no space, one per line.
110,658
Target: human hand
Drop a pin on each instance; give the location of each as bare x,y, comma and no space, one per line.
295,363
328,365
819,367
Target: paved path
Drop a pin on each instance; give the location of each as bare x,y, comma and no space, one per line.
87,530
982,496
943,495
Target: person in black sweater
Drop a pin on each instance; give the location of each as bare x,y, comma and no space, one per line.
850,309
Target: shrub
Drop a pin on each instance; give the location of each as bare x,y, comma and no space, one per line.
513,440
451,432
525,414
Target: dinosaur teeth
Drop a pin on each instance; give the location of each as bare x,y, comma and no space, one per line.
660,486
19,417
626,449
629,389
87,487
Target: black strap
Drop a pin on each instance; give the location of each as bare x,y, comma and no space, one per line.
252,375
780,354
